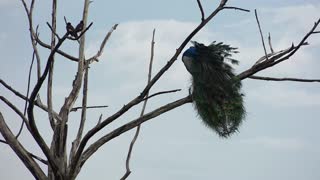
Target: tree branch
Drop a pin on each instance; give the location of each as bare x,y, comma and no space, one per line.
32,33
51,173
278,57
53,31
262,39
76,142
3,141
50,75
38,158
28,89
62,53
162,92
88,107
135,137
270,44
34,130
236,8
201,10
302,42
76,87
96,145
20,150
17,111
283,79
37,103
100,51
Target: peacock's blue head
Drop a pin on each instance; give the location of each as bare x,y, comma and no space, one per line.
191,52
188,58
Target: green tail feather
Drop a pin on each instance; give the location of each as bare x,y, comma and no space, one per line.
216,90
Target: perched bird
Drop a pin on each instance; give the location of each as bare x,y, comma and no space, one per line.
79,27
71,30
215,88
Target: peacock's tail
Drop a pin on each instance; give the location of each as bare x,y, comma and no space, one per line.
216,90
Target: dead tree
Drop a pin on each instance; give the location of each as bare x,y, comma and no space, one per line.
62,167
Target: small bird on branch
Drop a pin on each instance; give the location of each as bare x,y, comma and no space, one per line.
71,30
79,27
215,88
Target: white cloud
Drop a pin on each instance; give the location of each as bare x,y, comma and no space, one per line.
292,14
129,50
279,95
276,143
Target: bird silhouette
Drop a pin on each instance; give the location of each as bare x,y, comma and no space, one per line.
71,30
79,27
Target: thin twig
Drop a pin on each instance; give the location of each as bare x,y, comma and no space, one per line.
3,141
33,33
27,95
88,107
16,110
262,39
38,158
65,20
37,103
201,10
100,118
270,44
62,53
135,137
236,8
315,32
283,79
100,51
53,31
162,92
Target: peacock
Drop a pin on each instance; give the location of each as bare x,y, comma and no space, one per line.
215,89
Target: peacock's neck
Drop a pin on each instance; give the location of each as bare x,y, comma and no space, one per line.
188,62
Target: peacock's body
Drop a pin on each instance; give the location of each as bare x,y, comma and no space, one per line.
215,88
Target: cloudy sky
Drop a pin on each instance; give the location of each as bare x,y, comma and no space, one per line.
278,140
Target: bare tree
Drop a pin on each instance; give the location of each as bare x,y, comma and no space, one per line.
60,165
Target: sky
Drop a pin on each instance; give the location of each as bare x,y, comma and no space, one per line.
279,138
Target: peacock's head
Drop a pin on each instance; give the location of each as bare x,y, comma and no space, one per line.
189,57
191,52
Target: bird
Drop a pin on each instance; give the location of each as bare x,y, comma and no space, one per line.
71,30
79,27
215,89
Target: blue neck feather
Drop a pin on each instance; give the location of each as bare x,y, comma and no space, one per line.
191,52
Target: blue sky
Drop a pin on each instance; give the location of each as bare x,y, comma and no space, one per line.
278,140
